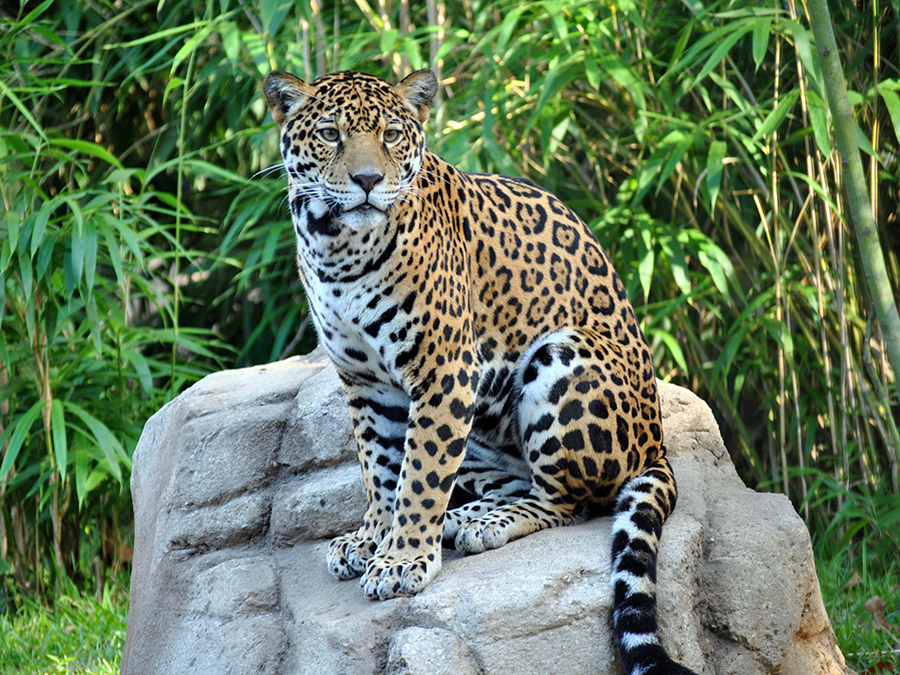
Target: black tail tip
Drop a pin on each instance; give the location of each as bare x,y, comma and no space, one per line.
668,667
651,659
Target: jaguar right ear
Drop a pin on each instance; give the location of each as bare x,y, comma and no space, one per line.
284,91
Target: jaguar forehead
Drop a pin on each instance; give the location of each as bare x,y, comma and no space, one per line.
353,95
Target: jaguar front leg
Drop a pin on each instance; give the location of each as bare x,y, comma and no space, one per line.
409,556
379,418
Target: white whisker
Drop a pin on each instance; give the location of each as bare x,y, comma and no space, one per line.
267,171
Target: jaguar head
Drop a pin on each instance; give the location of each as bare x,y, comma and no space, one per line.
352,143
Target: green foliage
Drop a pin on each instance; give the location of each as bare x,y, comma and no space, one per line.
145,238
93,240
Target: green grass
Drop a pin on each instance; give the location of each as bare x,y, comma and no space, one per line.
79,635
865,642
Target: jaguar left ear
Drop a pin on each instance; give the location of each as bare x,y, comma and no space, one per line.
284,91
417,91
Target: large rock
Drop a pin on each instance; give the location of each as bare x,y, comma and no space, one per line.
239,482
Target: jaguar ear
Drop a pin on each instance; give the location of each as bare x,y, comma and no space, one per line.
284,91
417,91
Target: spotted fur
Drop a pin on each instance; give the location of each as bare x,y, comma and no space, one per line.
484,342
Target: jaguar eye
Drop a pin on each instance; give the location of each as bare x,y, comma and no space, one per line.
391,135
329,134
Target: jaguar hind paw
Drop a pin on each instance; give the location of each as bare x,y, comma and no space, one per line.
480,535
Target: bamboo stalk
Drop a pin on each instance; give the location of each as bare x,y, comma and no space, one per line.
321,48
860,211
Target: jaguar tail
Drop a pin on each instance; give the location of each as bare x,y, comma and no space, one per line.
642,507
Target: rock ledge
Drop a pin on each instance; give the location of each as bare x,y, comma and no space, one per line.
239,482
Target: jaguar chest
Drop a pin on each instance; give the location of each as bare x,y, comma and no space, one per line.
364,330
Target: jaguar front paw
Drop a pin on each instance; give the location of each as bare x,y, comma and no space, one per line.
348,555
393,575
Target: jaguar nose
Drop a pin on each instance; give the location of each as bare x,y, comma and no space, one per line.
367,180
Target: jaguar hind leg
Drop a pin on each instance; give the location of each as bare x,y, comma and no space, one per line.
493,483
590,429
555,379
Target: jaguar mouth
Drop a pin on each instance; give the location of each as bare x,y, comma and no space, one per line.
364,210
364,215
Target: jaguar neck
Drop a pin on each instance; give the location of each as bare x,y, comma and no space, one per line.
334,252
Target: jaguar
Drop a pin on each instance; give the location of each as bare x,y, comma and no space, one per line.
485,345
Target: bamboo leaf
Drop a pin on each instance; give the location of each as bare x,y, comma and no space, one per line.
191,44
129,236
807,55
87,148
93,321
508,26
58,428
5,258
645,260
273,13
5,90
817,188
677,264
79,245
19,431
863,142
158,35
734,342
141,367
26,274
888,90
209,169
231,40
622,73
90,252
762,30
560,27
715,163
747,12
719,52
108,443
671,344
776,117
682,143
558,77
12,230
81,475
30,18
818,116
698,48
112,249
717,264
591,71
173,83
40,225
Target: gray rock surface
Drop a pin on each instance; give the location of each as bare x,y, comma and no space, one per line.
239,482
